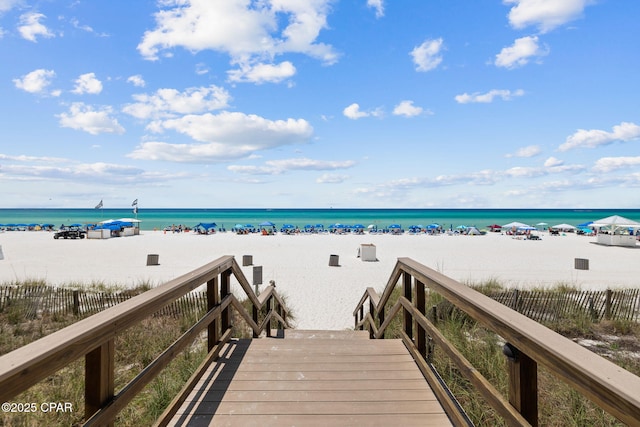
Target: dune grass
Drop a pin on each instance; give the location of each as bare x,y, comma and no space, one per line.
559,404
135,348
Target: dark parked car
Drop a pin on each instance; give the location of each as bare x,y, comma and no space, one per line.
70,233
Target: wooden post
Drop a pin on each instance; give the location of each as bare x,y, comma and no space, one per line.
607,305
406,291
523,383
76,302
225,322
98,378
381,318
270,308
421,338
213,299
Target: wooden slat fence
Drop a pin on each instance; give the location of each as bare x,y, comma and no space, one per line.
553,306
34,301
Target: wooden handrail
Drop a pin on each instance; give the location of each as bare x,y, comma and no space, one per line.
609,386
93,338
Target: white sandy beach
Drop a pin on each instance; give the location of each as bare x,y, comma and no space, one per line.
321,296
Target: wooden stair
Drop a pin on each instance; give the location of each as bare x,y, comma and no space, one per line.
312,378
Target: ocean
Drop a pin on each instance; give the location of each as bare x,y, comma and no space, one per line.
157,219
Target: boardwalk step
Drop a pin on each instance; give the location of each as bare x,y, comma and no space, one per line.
318,378
332,335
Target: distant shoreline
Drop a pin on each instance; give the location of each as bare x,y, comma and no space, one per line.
160,218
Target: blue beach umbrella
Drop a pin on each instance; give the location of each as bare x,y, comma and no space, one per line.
394,226
267,224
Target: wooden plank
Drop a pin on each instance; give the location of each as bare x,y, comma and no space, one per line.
322,376
301,382
299,396
319,385
333,335
261,359
317,408
375,420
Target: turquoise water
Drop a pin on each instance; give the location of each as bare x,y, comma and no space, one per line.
228,218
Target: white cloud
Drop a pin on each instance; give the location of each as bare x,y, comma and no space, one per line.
169,102
608,164
269,28
552,162
378,6
7,5
593,138
87,83
353,112
529,151
136,80
277,167
544,14
224,136
505,95
98,172
519,54
407,109
86,118
330,178
25,158
263,73
36,81
427,56
30,27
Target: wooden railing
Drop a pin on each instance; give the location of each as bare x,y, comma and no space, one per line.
94,338
529,343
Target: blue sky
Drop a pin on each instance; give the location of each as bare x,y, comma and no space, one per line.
320,103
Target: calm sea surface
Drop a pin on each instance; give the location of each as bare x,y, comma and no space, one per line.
228,218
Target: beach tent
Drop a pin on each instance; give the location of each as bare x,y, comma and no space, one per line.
206,225
616,222
614,228
515,224
563,227
473,231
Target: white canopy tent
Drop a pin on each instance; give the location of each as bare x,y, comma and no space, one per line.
563,227
613,230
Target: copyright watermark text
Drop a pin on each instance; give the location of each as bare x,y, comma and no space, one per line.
25,407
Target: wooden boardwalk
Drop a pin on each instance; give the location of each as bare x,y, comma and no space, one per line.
313,378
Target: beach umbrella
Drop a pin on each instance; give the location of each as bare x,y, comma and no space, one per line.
515,224
266,224
564,227
585,224
288,226
358,226
319,226
372,226
394,226
239,226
